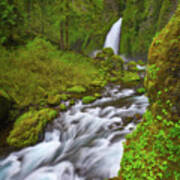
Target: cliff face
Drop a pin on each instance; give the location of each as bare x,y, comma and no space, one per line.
152,151
141,21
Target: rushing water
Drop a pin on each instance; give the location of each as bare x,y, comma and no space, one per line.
113,37
84,143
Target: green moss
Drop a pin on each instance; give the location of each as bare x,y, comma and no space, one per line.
132,66
29,126
130,77
31,73
54,100
152,151
64,97
108,52
97,95
76,89
63,107
141,21
141,90
71,102
88,99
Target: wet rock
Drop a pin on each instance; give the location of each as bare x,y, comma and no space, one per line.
88,99
76,89
29,127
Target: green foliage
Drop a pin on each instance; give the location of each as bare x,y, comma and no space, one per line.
77,25
141,21
76,89
32,73
152,71
130,77
141,90
63,107
54,100
29,126
8,20
152,151
88,99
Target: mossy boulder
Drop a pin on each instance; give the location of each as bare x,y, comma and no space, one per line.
71,102
63,107
29,126
108,52
5,106
54,100
88,99
76,89
141,90
118,62
104,54
132,66
97,95
129,77
64,97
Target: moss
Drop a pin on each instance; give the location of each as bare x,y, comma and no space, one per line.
65,97
141,90
88,99
39,68
71,102
161,124
54,100
113,79
29,126
108,52
141,21
140,62
63,107
130,77
76,89
132,66
97,95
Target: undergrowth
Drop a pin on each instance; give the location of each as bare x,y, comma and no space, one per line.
32,72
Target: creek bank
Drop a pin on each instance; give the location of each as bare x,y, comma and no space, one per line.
85,142
113,69
152,151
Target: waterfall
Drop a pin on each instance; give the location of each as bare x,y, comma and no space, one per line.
113,36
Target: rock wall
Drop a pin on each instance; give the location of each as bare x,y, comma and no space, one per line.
152,151
141,21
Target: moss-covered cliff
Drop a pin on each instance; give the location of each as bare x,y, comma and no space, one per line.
141,21
152,151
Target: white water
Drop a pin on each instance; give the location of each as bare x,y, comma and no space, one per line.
113,37
85,143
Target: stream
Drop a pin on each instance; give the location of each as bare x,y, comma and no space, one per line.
84,143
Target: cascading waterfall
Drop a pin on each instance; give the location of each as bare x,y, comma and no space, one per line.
113,37
85,142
